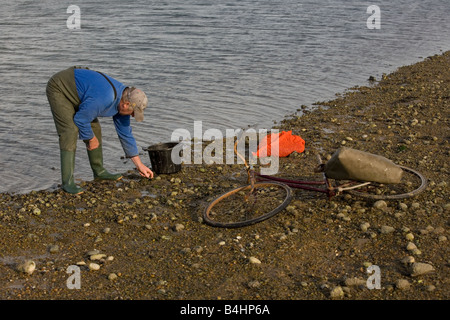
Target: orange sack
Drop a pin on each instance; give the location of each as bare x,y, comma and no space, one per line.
287,143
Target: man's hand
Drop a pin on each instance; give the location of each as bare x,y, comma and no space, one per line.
143,170
93,144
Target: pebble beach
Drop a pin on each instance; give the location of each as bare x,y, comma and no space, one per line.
139,239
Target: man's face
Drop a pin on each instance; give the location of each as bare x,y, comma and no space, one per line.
125,109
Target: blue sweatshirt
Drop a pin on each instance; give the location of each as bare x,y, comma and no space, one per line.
97,100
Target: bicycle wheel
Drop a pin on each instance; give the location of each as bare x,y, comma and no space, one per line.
243,206
411,185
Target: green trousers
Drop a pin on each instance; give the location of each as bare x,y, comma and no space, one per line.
64,102
63,98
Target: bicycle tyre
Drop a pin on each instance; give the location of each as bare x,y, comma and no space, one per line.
419,189
210,221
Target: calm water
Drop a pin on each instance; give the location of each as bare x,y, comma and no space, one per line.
230,64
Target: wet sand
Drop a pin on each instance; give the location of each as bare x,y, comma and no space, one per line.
151,243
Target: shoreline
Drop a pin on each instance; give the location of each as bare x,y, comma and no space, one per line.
154,246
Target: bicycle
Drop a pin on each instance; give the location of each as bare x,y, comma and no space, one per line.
265,196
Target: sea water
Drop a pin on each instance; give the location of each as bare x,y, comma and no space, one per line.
229,64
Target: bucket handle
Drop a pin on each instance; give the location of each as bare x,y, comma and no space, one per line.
147,149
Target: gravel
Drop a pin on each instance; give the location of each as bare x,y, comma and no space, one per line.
152,244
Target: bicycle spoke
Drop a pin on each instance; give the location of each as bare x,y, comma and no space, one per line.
412,184
242,206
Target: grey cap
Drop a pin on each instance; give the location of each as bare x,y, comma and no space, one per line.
138,101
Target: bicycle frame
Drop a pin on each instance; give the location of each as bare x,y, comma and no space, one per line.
305,185
329,190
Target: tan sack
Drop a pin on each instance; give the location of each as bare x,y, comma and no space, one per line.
351,164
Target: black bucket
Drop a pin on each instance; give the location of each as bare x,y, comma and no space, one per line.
161,158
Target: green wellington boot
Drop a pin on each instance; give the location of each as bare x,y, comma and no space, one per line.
96,161
67,169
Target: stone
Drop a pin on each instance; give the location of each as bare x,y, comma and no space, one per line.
53,248
365,226
402,284
380,204
28,267
254,260
415,205
94,266
420,268
97,256
198,249
92,252
178,227
386,229
411,246
254,284
408,260
112,276
352,282
409,236
337,293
